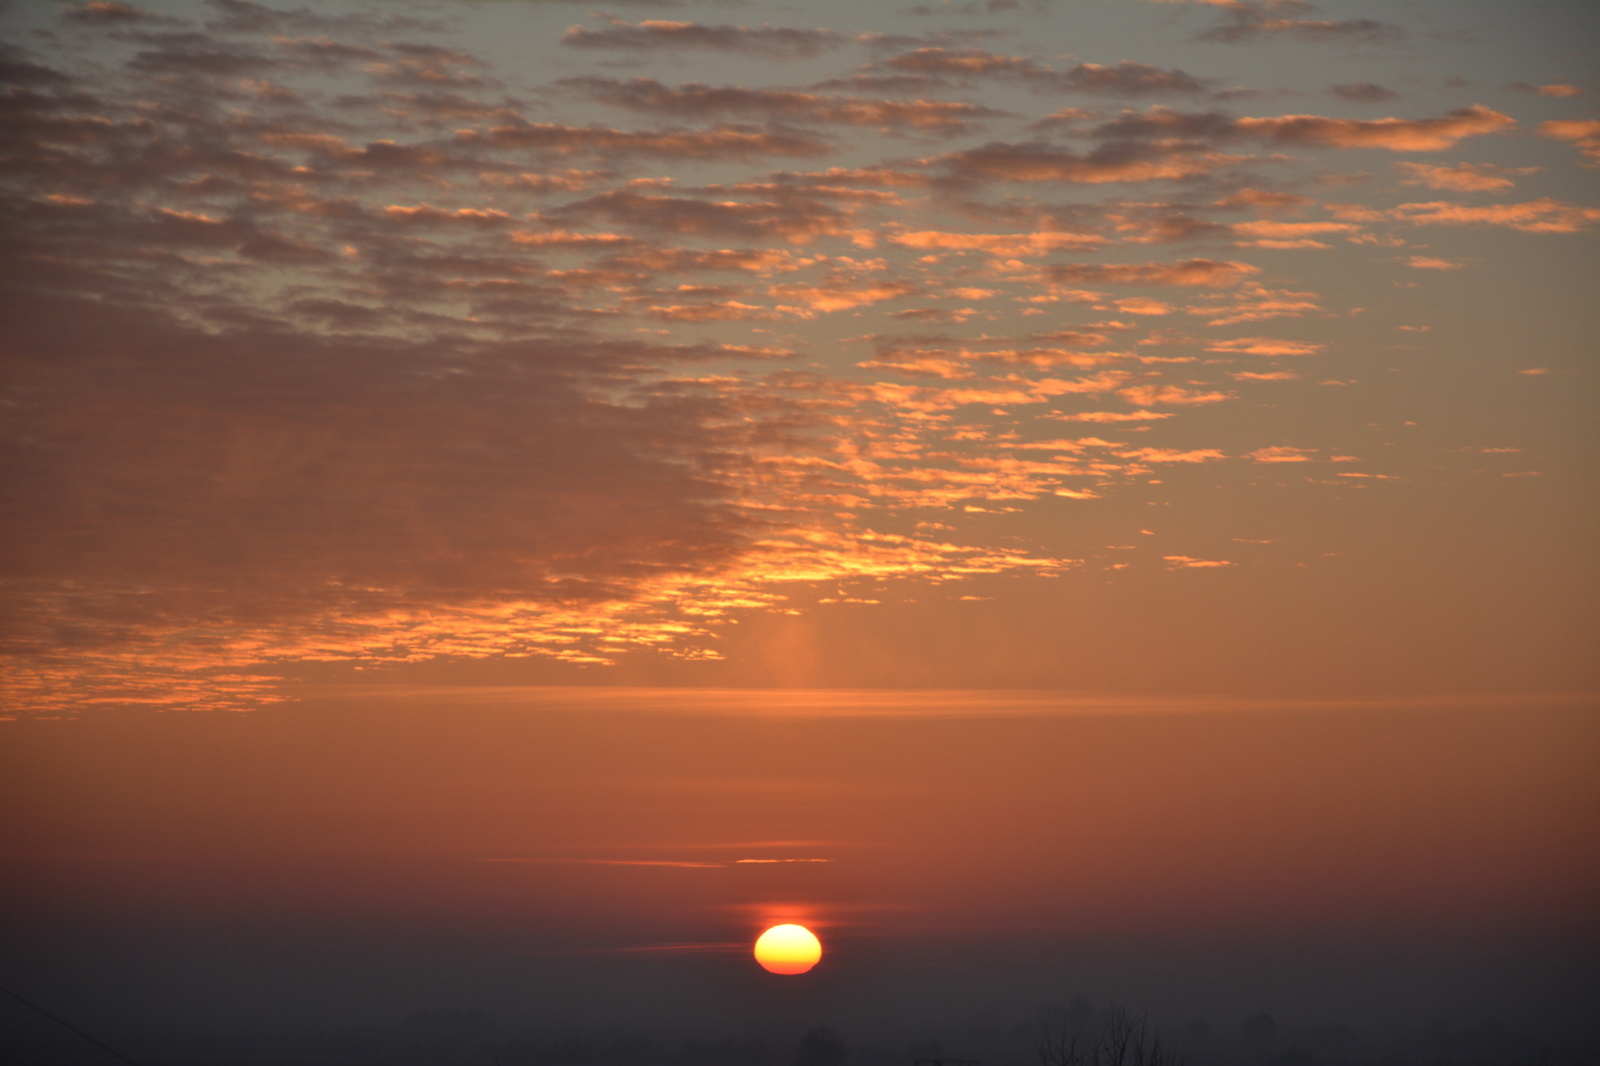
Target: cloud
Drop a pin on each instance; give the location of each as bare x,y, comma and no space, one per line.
1130,79
1112,416
1171,395
1280,454
1252,27
885,83
1005,245
420,65
797,221
972,7
959,362
109,12
1428,262
687,260
245,16
721,142
1263,200
1188,562
1172,455
1251,20
1584,133
768,41
1208,273
1394,134
1119,161
16,68
843,293
1254,302
1067,118
1270,346
198,55
721,311
693,100
1362,92
1544,215
1140,305
966,61
1158,223
407,488
1126,78
563,238
1556,89
1464,177
1271,233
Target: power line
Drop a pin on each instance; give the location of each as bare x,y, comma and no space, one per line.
113,1052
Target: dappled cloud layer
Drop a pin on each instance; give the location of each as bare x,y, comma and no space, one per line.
329,341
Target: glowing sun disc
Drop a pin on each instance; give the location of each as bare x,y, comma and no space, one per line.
788,949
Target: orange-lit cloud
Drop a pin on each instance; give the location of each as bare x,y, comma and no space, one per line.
568,239
1282,453
1112,161
1256,303
1268,375
1394,134
1557,89
1584,133
1269,233
1111,416
1265,346
1464,177
1006,245
1544,215
651,34
1135,305
1204,273
1172,455
1171,395
1264,200
841,294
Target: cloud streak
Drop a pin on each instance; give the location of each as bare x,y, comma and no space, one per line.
694,100
1393,134
1125,78
771,42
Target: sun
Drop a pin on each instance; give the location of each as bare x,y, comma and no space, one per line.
788,949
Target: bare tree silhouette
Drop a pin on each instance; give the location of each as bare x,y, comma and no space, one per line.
1124,1039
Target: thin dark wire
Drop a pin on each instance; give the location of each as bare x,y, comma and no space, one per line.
113,1052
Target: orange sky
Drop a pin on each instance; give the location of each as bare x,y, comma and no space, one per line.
619,850
1115,474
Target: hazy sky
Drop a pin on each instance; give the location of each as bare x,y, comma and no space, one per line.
405,374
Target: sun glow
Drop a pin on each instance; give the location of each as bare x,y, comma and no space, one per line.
788,949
